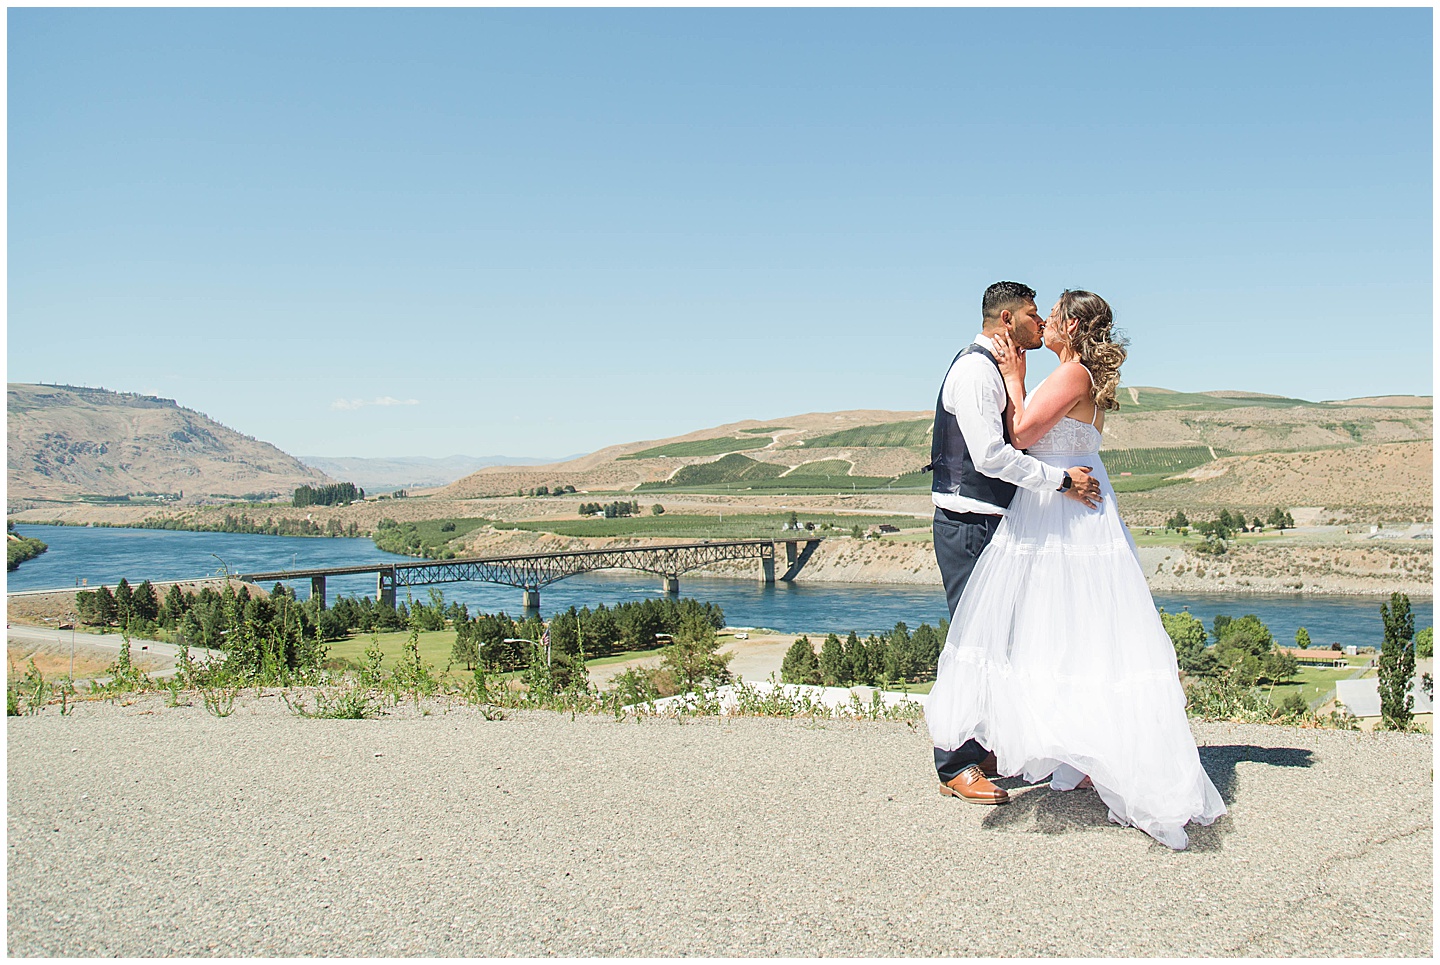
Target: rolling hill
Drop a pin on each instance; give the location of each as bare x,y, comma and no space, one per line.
69,443
1157,435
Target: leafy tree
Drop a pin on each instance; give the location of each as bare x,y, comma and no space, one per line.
1302,638
1293,705
1256,525
1280,519
800,665
1397,663
1187,634
1425,642
337,494
1242,647
833,670
1276,666
657,510
1178,521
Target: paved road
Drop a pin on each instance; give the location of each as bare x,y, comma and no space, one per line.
147,831
107,643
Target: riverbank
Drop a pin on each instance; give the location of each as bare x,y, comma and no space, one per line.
1321,560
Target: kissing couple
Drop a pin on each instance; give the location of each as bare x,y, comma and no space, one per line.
1056,665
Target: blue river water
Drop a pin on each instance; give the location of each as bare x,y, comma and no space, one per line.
102,555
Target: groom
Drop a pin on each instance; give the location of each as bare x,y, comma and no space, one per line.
976,474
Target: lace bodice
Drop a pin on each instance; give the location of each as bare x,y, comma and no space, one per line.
1067,435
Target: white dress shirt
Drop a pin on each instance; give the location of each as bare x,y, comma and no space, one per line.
974,392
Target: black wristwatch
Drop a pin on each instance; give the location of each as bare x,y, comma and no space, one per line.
1065,486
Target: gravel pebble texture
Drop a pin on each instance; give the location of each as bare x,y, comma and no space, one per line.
144,830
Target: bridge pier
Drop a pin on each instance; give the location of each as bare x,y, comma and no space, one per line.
317,589
385,587
767,570
531,599
792,550
670,585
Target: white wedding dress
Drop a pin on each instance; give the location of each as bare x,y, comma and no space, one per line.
1057,661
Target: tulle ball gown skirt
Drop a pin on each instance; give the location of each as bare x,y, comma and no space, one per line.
1057,661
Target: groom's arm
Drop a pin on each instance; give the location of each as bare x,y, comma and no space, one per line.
978,403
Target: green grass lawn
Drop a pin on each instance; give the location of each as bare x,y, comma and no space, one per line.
736,526
434,647
1311,683
1159,537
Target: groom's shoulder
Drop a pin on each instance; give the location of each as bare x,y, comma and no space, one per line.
970,355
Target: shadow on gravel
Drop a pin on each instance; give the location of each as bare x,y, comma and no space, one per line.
1036,809
1219,762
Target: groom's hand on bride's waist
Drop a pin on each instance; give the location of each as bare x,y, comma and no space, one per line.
1084,488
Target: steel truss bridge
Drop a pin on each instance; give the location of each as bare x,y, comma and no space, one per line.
530,571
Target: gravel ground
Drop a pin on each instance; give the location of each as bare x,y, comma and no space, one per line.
144,831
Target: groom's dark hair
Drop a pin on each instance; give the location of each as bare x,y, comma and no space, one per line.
1003,295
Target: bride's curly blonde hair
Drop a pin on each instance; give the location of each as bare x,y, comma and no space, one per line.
1101,349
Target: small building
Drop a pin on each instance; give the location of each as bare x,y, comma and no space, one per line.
1317,658
887,528
1362,697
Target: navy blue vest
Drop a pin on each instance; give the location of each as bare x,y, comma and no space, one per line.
955,471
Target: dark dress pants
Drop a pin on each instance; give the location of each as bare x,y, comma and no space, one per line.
960,538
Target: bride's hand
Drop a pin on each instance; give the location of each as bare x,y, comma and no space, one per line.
1010,359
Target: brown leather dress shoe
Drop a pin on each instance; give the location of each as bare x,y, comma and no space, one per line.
972,785
989,766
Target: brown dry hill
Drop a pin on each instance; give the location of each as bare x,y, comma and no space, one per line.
66,442
884,443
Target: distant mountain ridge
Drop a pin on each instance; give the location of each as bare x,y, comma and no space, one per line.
377,475
66,442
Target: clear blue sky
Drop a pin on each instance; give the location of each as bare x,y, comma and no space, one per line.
549,231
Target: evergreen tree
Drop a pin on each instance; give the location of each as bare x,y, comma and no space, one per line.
173,608
899,660
857,662
927,643
833,670
124,602
693,658
145,604
1397,663
800,665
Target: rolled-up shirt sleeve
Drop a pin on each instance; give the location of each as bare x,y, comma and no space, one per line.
978,403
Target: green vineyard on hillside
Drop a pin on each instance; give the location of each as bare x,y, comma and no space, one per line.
701,447
824,468
1162,460
726,469
893,434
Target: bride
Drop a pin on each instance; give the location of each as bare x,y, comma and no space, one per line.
1056,659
